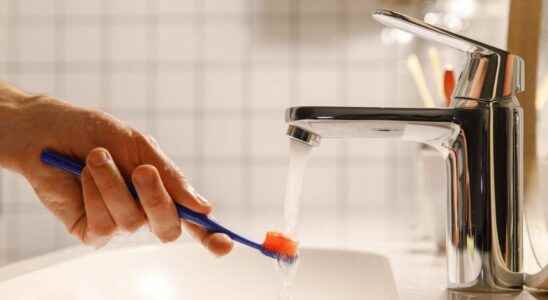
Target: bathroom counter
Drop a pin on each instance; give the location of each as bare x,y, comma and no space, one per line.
418,268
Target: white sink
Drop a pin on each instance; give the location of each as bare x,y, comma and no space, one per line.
185,271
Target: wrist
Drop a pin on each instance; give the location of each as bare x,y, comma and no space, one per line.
12,105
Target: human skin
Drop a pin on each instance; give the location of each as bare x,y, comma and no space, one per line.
98,205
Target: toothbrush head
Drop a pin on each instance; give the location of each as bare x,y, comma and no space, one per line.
280,246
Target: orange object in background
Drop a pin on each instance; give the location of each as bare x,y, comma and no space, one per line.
278,243
448,85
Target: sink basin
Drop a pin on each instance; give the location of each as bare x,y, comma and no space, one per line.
185,271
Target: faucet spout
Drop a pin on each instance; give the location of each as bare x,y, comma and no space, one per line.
433,126
482,145
303,135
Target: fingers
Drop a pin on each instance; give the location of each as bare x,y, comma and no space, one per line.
159,208
173,179
218,243
62,195
113,190
99,226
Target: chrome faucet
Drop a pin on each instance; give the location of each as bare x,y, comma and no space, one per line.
481,139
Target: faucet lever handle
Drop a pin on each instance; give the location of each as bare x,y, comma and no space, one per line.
490,73
434,33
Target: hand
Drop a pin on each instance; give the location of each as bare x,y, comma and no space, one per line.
97,205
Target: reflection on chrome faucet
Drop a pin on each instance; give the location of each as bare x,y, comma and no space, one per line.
456,295
480,138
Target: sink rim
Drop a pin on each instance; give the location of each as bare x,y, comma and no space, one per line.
69,254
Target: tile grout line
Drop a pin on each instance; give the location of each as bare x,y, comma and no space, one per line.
199,93
294,61
5,68
173,66
247,128
59,88
13,230
151,69
105,62
171,18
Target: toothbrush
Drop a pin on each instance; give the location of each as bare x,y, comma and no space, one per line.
448,85
415,68
276,245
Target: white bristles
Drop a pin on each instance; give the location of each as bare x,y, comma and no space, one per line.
435,64
542,93
414,66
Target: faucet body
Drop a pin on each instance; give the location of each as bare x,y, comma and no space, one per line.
481,139
481,142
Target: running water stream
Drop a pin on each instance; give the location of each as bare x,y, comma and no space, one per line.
299,154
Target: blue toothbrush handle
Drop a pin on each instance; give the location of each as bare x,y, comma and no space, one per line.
75,167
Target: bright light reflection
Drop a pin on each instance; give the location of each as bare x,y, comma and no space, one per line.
432,18
391,35
462,8
453,22
386,37
155,286
402,37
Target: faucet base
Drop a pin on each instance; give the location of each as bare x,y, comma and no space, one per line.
482,146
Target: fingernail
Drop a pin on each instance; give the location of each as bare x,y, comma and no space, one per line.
99,158
198,197
202,200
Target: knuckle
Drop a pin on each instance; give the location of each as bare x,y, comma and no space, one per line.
170,234
102,229
156,200
140,139
132,224
108,187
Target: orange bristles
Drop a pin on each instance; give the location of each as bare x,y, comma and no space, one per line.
279,244
448,85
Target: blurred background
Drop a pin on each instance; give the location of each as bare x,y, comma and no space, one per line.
210,80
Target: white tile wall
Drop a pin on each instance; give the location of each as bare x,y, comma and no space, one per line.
83,7
29,36
4,25
225,40
223,89
176,136
312,94
41,83
222,138
128,42
176,42
210,80
220,181
135,119
227,7
272,39
265,187
270,88
176,6
82,89
175,90
31,7
369,86
267,136
125,7
319,6
83,43
128,91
